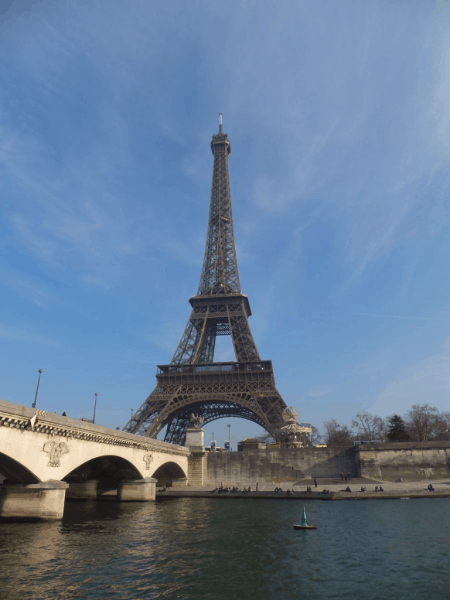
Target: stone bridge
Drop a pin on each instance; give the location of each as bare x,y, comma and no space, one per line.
46,459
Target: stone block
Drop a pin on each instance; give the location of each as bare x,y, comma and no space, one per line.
82,490
137,490
180,483
194,438
36,501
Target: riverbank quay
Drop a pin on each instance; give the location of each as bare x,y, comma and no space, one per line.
336,489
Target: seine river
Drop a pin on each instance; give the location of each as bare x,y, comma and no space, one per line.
199,549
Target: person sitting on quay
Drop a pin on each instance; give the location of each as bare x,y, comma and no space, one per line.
347,489
430,488
363,489
381,489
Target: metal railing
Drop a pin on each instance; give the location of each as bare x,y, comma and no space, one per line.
264,365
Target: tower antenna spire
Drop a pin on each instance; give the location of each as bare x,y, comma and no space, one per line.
220,122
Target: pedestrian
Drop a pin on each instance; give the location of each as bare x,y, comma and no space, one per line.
349,477
256,486
315,482
346,479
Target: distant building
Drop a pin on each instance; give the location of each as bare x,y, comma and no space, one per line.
250,444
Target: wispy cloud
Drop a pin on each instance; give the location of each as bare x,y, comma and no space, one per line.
426,382
320,391
380,315
29,287
26,334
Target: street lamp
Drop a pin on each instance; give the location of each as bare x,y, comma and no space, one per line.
95,406
229,438
37,389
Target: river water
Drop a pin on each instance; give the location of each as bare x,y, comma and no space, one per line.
196,548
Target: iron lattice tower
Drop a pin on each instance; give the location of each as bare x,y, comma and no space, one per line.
193,382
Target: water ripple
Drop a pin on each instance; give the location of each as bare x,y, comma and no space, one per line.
212,549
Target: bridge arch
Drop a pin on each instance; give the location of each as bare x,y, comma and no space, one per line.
168,472
107,466
211,410
15,472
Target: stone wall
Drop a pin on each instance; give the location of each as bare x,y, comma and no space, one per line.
197,469
409,460
278,465
380,462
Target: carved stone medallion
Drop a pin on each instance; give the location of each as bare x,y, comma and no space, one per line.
148,459
55,450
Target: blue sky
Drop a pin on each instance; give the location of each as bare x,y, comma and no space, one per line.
339,122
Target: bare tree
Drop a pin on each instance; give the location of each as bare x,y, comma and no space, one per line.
369,427
265,438
336,434
421,422
441,432
316,437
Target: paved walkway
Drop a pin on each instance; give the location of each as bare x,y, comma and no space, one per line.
336,487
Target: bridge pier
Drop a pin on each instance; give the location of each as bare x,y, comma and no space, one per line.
137,490
34,501
82,490
180,482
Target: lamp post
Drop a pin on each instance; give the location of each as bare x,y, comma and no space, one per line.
37,389
95,406
229,438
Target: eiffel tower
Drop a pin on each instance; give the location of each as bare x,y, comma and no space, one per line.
193,383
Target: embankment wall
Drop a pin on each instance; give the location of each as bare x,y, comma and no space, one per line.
278,465
410,461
